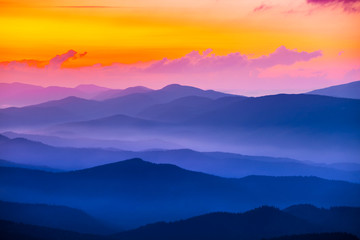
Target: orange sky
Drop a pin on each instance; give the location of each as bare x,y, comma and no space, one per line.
129,31
139,31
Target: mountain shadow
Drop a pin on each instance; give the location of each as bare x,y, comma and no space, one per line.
318,236
343,219
19,231
59,217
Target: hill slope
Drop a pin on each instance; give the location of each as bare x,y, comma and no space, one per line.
20,94
133,192
348,90
59,217
256,224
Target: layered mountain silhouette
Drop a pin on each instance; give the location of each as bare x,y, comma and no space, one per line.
4,163
114,93
83,142
302,111
117,121
255,224
348,90
296,126
64,173
59,217
74,108
182,109
38,155
20,94
134,192
260,223
206,107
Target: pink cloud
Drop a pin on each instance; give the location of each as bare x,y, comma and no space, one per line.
236,72
262,7
284,56
56,62
332,1
23,63
196,62
348,5
206,62
53,63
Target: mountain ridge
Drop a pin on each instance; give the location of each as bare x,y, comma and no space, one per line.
21,150
347,90
136,192
269,223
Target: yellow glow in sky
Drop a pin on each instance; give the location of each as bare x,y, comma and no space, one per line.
132,31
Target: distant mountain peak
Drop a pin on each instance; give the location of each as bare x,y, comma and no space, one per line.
135,168
67,100
176,87
262,209
301,208
72,98
183,91
138,87
133,160
125,163
91,88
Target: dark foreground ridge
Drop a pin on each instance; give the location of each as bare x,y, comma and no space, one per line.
318,236
261,223
59,217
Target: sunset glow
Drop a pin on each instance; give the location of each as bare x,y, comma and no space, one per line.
143,32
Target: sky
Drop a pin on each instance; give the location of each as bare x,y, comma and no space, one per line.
246,47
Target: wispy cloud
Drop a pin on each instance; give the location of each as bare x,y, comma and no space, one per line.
58,60
284,56
53,63
206,62
262,7
352,6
